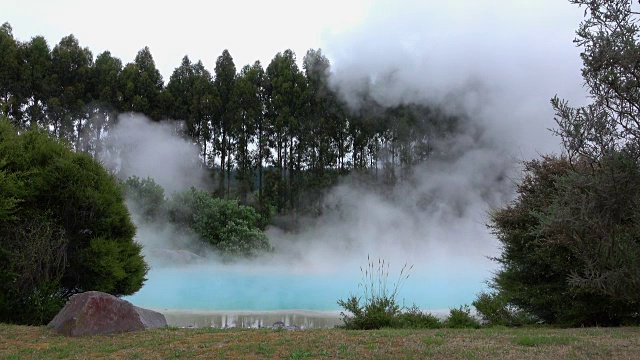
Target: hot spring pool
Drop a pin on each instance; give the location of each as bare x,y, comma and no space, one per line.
203,295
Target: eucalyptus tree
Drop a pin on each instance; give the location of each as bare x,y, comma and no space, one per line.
191,89
316,67
9,73
107,95
248,109
323,133
179,86
224,83
70,75
35,78
202,108
142,86
366,131
286,109
262,153
360,133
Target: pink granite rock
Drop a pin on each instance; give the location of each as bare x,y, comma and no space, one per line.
95,312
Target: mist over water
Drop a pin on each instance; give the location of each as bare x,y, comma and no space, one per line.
433,221
496,66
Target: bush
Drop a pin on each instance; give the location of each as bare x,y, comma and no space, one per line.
34,260
570,242
494,308
379,308
147,197
56,206
373,314
231,228
414,318
461,318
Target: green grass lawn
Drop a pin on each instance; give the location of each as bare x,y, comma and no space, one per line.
24,342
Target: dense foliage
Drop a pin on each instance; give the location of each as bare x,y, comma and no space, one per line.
231,228
571,239
570,242
147,197
64,228
272,137
495,309
223,225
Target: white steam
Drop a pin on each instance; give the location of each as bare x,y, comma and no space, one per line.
144,148
495,64
138,146
500,62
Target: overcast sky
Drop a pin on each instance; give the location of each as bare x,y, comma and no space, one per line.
257,29
502,52
250,29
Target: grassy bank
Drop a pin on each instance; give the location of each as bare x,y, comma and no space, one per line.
22,342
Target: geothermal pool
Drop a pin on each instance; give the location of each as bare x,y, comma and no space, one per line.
217,296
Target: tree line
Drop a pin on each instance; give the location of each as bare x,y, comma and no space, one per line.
274,137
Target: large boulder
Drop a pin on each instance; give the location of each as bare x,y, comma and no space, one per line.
95,312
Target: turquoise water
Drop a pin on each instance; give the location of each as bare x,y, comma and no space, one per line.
216,288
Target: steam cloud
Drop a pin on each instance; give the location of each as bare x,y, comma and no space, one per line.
148,149
497,65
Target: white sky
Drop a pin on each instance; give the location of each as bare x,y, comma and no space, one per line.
258,29
250,29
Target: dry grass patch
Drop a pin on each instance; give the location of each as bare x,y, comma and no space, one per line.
23,342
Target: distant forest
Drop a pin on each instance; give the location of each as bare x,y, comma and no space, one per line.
275,138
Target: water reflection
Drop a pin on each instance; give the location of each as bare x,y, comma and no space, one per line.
303,319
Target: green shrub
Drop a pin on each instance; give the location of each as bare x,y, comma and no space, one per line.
231,228
379,307
570,250
494,309
373,314
461,318
55,206
414,318
147,196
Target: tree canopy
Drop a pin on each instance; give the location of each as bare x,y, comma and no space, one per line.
273,137
64,228
571,239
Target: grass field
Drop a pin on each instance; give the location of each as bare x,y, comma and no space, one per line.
23,342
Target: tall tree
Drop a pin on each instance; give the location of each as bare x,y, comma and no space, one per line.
202,108
572,237
224,83
9,73
286,106
35,79
70,75
248,109
143,86
106,99
323,133
606,135
192,91
179,86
